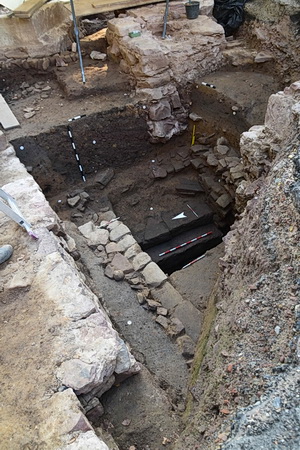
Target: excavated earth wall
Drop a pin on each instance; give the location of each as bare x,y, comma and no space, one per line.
273,26
244,392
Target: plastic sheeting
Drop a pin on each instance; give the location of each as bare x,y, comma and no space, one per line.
229,14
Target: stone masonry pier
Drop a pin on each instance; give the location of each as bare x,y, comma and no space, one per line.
162,69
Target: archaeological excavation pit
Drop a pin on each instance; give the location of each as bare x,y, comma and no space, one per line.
147,185
167,194
143,167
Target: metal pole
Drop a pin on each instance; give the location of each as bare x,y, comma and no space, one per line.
77,41
165,19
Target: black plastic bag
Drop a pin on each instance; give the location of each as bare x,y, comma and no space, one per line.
229,14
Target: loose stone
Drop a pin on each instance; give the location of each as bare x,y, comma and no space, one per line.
163,321
152,304
162,311
119,275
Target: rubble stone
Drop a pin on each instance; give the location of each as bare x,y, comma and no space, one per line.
3,141
126,242
134,250
118,275
153,275
112,247
167,295
163,321
73,201
95,235
176,327
152,304
120,262
186,345
117,233
224,200
98,55
140,261
105,176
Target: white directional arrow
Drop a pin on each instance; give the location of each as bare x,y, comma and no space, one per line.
179,216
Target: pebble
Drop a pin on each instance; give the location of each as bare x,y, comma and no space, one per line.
126,422
28,115
277,402
118,275
277,329
229,368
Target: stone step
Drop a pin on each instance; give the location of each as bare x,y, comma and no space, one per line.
177,259
165,226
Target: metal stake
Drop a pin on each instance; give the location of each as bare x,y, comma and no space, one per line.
77,40
165,20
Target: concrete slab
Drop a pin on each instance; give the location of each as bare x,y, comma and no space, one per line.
191,319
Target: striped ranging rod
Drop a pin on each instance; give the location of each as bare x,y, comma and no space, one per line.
185,243
192,262
76,154
76,118
208,85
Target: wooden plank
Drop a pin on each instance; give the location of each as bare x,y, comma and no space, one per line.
89,7
28,8
7,118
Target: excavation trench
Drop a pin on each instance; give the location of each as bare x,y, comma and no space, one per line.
181,192
162,192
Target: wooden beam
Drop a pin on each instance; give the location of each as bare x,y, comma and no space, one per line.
89,7
28,8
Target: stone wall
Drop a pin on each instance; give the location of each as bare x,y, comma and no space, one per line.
262,144
75,349
161,69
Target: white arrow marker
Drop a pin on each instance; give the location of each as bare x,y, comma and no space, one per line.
179,216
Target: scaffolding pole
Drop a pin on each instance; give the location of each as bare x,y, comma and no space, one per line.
77,40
